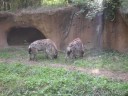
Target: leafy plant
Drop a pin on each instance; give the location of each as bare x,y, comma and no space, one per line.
124,5
24,80
111,7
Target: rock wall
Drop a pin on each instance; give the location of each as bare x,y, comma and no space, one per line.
58,25
116,34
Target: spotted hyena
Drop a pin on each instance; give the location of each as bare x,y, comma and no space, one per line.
75,49
45,45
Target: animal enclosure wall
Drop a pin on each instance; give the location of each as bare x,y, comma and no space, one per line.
58,26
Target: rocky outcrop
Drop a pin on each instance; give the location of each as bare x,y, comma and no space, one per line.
51,23
58,25
116,34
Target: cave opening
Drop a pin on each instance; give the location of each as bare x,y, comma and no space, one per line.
23,36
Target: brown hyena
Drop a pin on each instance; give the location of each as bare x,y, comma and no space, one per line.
45,45
75,49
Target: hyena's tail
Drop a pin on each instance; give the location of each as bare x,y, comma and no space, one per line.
29,50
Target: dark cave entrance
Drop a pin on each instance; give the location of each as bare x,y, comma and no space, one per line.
23,36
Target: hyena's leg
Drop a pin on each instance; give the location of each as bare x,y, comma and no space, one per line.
46,55
72,56
68,58
30,53
49,54
32,57
68,55
82,53
35,51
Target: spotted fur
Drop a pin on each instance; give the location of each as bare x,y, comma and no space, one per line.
45,45
75,49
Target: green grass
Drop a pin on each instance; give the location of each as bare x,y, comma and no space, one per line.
105,60
9,53
108,60
19,79
54,2
24,80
